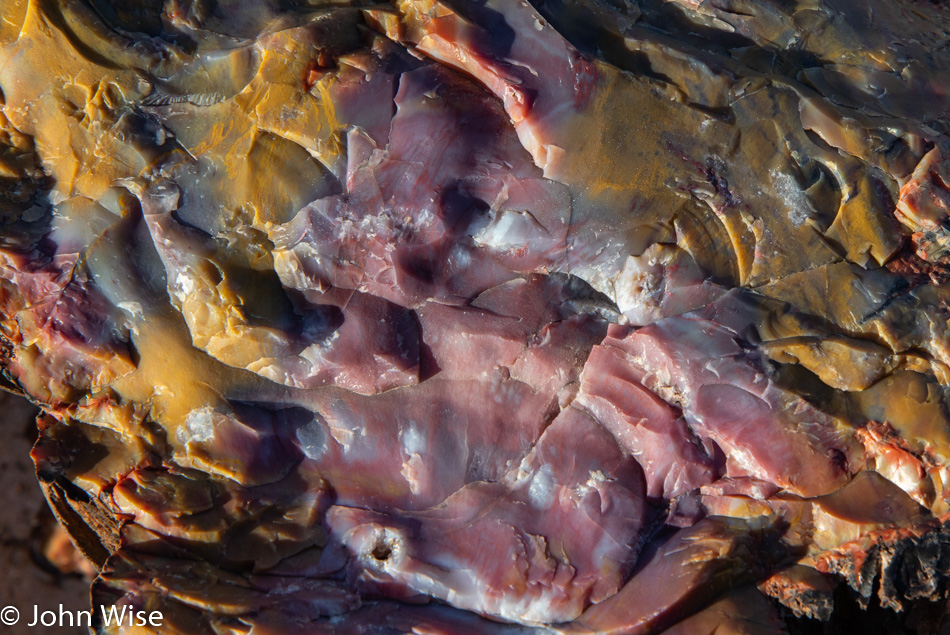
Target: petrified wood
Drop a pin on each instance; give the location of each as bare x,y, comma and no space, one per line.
486,316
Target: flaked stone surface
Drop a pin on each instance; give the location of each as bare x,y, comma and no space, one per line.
572,316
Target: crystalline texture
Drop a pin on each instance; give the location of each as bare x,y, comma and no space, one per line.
445,316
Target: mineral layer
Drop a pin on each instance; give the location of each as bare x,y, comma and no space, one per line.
486,316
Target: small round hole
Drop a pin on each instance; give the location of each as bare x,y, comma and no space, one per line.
382,551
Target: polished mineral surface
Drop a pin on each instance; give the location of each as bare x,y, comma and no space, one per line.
486,316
